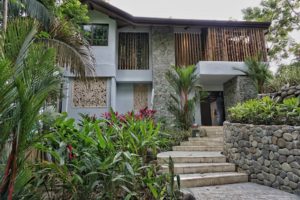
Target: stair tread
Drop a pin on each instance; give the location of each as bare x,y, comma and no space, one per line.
204,146
189,165
190,154
197,148
215,139
210,175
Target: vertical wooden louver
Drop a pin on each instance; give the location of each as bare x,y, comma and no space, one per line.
233,44
133,51
187,48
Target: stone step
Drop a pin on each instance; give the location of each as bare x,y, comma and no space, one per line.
212,127
202,143
207,139
207,179
187,168
191,157
197,148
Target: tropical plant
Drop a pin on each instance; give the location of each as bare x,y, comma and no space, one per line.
100,159
185,83
58,28
286,75
30,77
266,111
257,70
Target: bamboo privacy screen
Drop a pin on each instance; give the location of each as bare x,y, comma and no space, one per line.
233,44
187,48
133,51
219,44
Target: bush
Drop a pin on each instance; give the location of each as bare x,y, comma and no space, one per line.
111,158
266,111
286,75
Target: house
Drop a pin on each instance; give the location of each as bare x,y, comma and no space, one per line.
133,53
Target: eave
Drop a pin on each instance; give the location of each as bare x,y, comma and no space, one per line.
125,18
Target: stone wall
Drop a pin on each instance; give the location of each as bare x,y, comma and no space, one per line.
269,154
238,89
284,93
163,56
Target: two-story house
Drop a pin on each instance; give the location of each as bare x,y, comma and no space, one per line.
133,53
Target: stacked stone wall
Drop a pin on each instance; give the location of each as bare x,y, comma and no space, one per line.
284,93
238,89
269,154
163,56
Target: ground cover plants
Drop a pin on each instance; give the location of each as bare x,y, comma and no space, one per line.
267,111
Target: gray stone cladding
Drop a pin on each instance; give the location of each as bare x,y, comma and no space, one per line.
270,154
238,89
285,92
163,56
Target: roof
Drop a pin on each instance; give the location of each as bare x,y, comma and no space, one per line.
125,18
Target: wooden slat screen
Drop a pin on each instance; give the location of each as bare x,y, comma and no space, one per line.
187,48
234,44
133,51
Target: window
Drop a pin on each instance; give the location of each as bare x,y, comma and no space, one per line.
133,51
96,34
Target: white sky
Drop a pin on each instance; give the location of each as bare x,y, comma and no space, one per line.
189,9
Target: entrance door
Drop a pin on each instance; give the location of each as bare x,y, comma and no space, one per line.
212,109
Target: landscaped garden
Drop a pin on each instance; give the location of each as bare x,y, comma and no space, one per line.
45,154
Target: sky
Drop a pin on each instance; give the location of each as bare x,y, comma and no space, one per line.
190,9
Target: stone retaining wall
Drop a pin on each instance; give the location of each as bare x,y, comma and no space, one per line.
269,154
284,93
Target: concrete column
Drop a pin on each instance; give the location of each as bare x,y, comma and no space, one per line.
113,94
198,113
66,94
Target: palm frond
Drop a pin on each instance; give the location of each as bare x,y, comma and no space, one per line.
73,50
256,70
36,10
18,31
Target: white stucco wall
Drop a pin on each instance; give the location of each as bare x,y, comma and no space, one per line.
125,97
105,56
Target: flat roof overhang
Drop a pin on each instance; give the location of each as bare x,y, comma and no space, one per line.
218,72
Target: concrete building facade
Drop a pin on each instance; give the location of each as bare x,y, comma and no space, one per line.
132,55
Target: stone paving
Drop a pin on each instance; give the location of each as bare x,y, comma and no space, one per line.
240,191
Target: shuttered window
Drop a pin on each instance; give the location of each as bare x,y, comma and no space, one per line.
133,51
187,48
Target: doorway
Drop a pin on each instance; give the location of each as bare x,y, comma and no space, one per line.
212,109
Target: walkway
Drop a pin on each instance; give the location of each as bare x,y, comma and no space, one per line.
240,191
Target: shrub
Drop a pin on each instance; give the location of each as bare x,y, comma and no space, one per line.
101,159
289,74
266,111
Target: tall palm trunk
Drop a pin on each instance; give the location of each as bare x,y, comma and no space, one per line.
5,14
7,183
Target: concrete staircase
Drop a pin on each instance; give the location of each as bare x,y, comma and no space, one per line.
199,161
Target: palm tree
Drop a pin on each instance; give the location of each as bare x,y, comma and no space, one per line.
257,70
28,75
73,50
186,84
